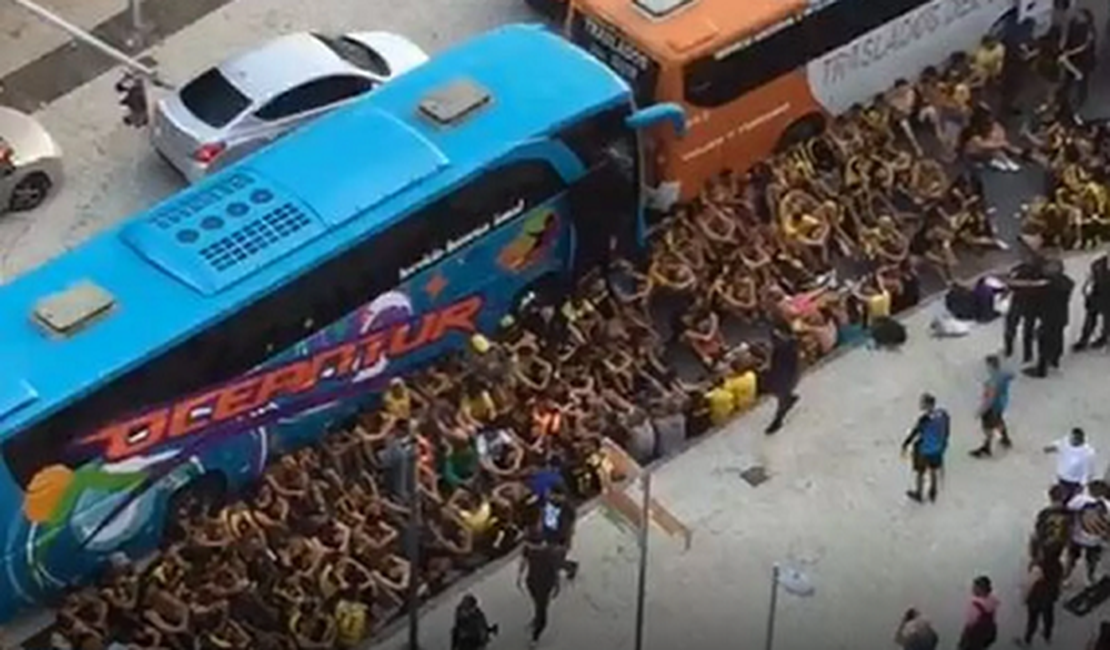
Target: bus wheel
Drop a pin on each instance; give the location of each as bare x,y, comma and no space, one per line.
203,496
803,129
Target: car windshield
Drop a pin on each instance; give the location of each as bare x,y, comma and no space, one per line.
356,54
213,99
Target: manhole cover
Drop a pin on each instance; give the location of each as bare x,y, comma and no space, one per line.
755,475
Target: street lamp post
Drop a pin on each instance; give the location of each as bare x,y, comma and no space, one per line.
794,582
135,41
641,585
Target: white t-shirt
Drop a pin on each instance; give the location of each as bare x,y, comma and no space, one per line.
1074,464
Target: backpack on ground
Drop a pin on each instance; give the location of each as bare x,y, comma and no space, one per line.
961,302
888,333
1082,603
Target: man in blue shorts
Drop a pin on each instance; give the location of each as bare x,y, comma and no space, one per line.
929,441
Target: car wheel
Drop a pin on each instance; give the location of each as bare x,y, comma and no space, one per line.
30,192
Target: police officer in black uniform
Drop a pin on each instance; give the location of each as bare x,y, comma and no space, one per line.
1026,282
1096,304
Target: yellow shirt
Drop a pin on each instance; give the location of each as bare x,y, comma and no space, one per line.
721,404
398,405
480,520
350,618
988,61
878,305
480,408
743,388
1097,196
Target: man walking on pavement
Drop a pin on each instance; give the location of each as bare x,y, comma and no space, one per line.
1054,320
540,565
996,396
782,378
1026,282
1075,462
929,441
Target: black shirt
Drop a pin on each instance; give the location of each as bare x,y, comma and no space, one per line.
1058,299
1047,589
1053,527
784,356
544,564
1026,297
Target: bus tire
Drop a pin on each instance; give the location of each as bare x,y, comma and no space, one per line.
206,493
802,129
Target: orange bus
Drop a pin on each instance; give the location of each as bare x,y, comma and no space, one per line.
755,75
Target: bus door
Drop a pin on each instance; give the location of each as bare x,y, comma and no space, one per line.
605,204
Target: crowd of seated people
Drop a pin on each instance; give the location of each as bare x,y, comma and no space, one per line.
1072,213
829,235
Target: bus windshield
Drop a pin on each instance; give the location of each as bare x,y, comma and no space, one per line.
626,59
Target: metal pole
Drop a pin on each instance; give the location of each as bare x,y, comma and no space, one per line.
93,42
641,586
413,542
136,7
774,605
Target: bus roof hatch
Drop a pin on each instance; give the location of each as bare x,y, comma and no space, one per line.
661,8
67,312
452,103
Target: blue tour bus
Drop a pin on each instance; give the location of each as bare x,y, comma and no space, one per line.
238,319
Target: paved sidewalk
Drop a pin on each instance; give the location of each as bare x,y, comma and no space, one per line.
24,38
835,503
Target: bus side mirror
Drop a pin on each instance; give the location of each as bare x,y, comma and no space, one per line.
652,115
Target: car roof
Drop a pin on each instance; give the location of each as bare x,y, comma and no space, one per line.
281,64
155,304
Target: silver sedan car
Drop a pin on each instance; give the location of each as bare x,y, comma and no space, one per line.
253,98
30,162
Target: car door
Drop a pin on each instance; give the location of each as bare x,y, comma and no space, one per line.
291,109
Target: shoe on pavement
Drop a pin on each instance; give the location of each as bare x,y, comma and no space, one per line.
981,452
933,495
1034,372
773,428
915,496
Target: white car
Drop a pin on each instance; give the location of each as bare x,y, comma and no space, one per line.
30,162
255,97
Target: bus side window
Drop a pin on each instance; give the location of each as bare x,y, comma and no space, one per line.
715,79
530,181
